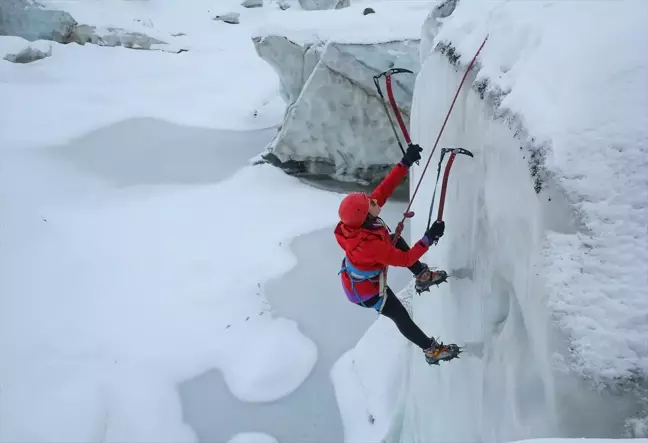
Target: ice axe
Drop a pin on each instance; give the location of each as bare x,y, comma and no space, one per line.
453,152
390,93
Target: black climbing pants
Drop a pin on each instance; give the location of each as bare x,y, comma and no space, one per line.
395,310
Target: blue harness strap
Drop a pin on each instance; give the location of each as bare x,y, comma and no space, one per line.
357,275
379,303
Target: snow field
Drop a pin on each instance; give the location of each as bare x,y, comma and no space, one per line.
252,437
367,382
130,288
137,282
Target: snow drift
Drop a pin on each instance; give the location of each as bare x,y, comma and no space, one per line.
546,227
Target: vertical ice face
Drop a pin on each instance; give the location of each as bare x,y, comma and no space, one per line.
493,240
529,226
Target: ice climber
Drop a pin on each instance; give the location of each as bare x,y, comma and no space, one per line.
369,250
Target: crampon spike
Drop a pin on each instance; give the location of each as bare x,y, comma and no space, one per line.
394,71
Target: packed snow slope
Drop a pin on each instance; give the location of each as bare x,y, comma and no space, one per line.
549,218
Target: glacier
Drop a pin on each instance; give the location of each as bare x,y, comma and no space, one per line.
334,125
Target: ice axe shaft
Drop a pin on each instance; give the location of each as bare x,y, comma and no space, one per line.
387,74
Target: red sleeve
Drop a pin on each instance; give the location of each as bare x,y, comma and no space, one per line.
387,254
386,187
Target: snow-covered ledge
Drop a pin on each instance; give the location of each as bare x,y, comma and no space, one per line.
335,125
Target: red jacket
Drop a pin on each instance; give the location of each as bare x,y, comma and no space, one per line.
371,249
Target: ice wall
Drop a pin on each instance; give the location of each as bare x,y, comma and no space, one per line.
527,212
494,237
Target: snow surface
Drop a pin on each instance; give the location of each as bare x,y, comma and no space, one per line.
133,296
252,437
13,45
392,21
367,381
83,88
294,296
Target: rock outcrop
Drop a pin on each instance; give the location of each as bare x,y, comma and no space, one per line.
335,125
23,18
27,19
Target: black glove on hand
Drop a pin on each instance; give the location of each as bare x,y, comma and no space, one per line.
413,154
436,231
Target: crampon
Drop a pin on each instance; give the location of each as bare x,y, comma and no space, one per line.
440,352
430,278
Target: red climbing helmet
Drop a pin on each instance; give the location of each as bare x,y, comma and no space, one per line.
354,209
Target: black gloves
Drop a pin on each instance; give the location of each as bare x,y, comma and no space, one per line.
413,154
435,232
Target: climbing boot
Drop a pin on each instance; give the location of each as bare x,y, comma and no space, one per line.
438,352
428,277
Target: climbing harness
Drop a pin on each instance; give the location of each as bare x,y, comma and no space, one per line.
356,275
408,213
